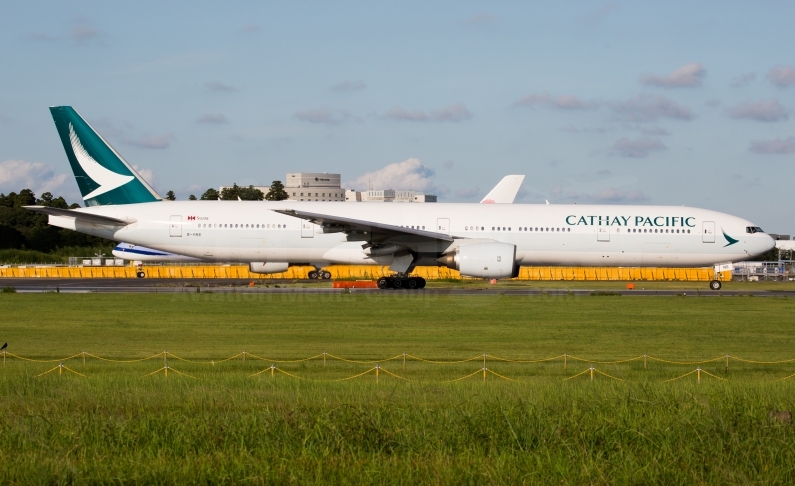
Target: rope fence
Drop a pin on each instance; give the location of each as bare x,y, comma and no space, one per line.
377,368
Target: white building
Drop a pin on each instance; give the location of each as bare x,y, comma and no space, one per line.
387,195
314,186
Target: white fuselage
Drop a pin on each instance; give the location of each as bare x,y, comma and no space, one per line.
592,235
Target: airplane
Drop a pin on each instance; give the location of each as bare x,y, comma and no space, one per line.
489,241
503,193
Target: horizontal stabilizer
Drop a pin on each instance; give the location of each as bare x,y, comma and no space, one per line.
79,215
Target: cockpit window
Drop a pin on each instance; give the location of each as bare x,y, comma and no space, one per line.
753,229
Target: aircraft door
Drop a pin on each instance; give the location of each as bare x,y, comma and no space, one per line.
175,227
602,233
443,226
208,237
307,229
708,232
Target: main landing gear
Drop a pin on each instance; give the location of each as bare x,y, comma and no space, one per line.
715,285
400,282
323,275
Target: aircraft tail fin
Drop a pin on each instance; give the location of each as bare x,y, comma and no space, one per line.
505,191
102,175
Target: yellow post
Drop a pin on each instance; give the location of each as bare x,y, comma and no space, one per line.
484,374
377,369
727,362
644,361
60,368
698,373
404,360
273,368
244,355
565,359
84,359
324,359
591,373
4,357
165,369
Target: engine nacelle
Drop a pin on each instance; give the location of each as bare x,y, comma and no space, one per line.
484,260
269,267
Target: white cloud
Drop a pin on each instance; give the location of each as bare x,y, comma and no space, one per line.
765,111
147,174
219,87
157,142
743,80
20,174
409,174
782,76
212,118
637,148
248,28
349,85
689,75
327,116
563,102
649,108
455,113
775,146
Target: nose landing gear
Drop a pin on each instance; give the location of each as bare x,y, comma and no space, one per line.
401,282
322,274
715,285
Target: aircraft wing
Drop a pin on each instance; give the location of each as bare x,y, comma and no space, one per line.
79,215
505,191
367,230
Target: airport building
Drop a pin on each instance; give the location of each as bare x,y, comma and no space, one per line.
325,187
387,195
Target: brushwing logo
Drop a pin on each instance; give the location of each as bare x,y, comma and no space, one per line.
729,239
107,179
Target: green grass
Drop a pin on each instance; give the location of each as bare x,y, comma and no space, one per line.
222,425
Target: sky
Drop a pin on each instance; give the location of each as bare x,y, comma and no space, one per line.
658,103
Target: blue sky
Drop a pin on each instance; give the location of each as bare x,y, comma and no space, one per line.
644,102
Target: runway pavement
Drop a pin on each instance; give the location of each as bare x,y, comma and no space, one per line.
125,285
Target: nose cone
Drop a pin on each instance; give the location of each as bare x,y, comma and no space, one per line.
769,243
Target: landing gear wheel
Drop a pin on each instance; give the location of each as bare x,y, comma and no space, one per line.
715,285
421,282
413,283
325,275
384,283
140,275
398,283
312,275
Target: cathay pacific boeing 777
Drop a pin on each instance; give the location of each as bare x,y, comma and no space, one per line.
479,240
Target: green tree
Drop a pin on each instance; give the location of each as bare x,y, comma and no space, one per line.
210,195
191,198
244,193
277,192
171,196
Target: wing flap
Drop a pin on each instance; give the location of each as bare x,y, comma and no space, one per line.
377,232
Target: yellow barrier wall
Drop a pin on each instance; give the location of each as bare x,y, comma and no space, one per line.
363,272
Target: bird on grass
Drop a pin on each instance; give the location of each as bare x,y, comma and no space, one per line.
4,347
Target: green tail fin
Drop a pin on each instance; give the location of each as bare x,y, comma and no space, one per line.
103,176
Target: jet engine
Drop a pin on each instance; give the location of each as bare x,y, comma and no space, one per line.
269,267
485,260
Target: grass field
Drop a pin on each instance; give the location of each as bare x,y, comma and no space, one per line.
219,424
